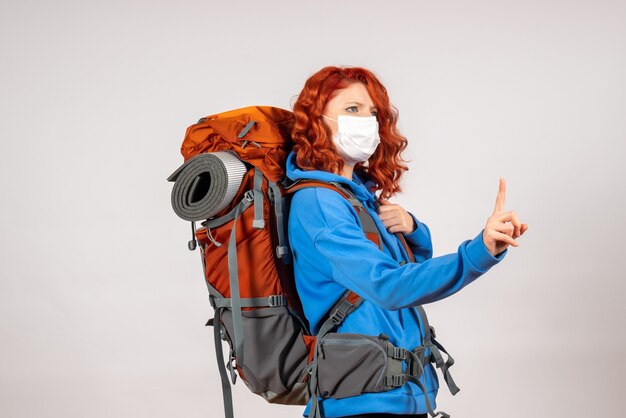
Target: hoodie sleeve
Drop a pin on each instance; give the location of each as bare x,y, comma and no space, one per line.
331,237
420,241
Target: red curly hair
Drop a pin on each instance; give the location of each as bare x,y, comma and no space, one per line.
312,140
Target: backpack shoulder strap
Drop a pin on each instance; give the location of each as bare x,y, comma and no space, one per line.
291,186
349,301
367,223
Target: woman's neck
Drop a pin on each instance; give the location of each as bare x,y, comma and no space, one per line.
347,171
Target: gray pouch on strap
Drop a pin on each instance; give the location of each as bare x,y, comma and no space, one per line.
351,364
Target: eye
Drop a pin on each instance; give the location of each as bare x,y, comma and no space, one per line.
374,112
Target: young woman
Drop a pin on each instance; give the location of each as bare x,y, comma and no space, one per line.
345,132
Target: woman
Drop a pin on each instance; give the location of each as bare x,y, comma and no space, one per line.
345,132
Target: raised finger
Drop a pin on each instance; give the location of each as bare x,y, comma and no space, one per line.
500,197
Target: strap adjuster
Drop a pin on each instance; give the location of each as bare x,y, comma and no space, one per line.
396,380
281,250
338,316
342,310
396,352
212,301
276,300
248,195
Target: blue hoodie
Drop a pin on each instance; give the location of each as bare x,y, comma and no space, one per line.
331,254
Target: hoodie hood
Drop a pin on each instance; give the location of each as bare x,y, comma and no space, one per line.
360,187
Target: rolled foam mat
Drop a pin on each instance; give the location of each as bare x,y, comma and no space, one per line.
205,184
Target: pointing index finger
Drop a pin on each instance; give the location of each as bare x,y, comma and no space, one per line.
501,196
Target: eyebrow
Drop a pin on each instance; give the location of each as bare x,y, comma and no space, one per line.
373,107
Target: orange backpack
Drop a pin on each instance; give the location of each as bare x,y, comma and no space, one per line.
233,180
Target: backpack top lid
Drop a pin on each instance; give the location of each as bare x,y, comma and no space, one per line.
260,135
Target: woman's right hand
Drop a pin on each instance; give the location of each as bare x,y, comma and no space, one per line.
498,233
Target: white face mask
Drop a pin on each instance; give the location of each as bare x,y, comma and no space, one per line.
356,138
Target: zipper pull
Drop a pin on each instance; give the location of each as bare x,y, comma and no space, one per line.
210,237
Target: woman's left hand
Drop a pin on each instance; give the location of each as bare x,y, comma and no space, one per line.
395,218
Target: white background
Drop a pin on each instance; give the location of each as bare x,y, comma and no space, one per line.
102,307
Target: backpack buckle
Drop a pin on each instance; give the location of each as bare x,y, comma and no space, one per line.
286,182
249,195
